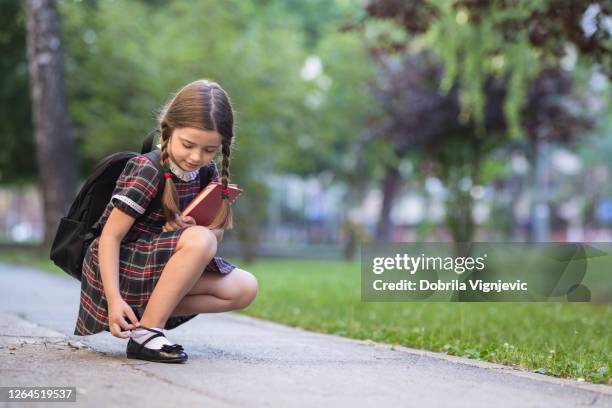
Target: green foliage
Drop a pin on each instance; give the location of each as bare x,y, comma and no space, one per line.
124,60
316,17
480,40
493,167
116,91
17,156
472,51
337,105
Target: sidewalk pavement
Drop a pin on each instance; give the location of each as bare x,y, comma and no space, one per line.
236,360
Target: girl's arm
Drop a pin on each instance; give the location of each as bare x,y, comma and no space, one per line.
109,266
116,227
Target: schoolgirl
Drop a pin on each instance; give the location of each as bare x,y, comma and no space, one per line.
145,275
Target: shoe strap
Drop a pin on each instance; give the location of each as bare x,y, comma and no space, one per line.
157,334
151,330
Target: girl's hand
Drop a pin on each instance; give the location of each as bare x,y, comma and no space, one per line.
117,309
179,222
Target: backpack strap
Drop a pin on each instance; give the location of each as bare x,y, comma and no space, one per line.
154,157
147,144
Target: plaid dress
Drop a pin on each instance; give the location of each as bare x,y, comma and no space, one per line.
144,250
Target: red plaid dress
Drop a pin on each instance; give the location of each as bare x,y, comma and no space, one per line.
144,250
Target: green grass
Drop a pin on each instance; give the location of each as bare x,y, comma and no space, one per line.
32,257
560,339
569,340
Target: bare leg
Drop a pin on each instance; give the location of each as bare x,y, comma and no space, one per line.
195,249
214,293
193,304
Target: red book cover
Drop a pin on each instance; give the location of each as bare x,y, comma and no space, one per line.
207,203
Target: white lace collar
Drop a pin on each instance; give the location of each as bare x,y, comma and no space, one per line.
182,174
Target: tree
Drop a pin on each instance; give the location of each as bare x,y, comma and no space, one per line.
511,39
117,90
488,70
422,121
55,149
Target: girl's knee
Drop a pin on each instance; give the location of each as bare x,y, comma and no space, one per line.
199,239
248,289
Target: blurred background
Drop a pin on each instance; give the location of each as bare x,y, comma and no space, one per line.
357,121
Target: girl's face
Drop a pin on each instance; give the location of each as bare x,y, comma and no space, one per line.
192,148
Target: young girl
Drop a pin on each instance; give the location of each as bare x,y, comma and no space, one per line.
160,271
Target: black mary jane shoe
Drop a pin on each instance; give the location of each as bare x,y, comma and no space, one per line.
169,353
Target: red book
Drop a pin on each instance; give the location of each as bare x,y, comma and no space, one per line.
207,203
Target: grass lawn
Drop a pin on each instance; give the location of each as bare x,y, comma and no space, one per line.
560,339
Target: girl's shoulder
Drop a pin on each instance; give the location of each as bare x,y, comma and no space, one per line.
142,160
141,174
141,166
136,187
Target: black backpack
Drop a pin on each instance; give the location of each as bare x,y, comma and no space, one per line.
80,227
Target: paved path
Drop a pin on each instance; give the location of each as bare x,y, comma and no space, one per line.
235,360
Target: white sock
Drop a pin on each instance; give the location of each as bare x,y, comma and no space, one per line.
141,335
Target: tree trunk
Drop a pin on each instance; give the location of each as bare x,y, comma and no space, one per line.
540,211
459,218
247,222
248,238
460,203
56,153
390,187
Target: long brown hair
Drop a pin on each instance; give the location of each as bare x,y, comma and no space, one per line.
203,105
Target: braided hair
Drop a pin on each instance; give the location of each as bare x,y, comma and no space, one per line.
203,105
